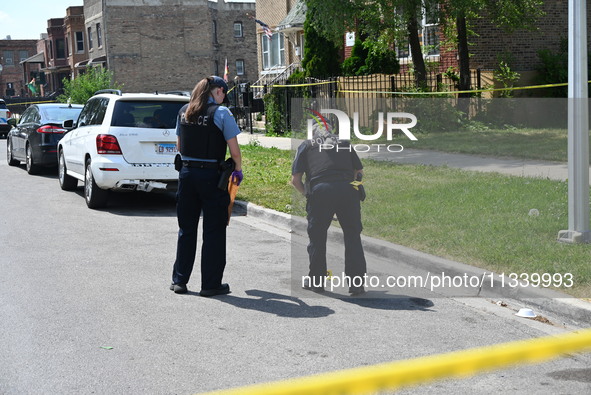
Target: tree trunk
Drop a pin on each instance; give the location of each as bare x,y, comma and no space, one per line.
464,56
417,53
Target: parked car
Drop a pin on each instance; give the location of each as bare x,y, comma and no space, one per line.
4,117
121,142
34,139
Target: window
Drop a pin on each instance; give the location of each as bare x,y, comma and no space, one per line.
214,31
27,116
430,36
428,33
8,58
153,114
93,112
273,51
23,55
60,48
98,113
238,29
68,47
31,115
99,35
79,42
240,67
89,38
58,114
87,112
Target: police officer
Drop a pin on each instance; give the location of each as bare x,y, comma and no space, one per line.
204,131
330,166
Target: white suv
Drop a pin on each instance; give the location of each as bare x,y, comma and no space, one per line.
4,116
121,142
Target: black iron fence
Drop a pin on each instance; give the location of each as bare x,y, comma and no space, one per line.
279,96
382,85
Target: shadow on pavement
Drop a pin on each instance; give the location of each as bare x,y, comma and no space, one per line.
383,301
278,304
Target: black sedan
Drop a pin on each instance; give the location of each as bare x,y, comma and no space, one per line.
34,139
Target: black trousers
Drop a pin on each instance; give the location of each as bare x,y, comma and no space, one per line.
325,200
197,192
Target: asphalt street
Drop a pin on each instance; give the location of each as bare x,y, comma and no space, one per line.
85,307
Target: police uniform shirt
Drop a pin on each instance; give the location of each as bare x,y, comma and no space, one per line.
223,119
326,164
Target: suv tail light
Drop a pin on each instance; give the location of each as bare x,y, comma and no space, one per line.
8,114
107,144
50,129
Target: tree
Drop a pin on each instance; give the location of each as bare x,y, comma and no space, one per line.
83,87
321,58
380,20
398,19
507,14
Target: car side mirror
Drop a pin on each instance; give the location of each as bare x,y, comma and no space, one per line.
68,124
12,121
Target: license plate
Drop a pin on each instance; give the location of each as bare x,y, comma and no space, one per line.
165,149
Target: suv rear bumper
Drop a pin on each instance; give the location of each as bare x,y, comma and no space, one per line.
120,175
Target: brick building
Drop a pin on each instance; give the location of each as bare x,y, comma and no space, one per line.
522,44
12,77
283,52
75,38
169,45
56,56
58,51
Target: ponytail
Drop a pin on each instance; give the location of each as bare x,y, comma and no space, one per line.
199,98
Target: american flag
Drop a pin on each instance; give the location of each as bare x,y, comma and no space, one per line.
266,28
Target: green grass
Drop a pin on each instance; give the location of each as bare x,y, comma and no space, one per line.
267,174
541,144
481,219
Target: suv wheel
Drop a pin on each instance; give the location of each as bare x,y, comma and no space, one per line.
9,157
32,168
67,183
94,196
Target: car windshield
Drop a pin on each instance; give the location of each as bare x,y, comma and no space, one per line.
60,114
3,106
146,114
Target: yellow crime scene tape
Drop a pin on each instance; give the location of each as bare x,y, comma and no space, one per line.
30,102
455,92
398,374
295,85
417,93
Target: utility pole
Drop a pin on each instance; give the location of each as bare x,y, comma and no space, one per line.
578,127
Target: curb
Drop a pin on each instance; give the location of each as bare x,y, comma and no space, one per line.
577,311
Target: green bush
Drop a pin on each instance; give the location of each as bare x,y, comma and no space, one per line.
553,69
507,77
381,58
320,55
274,120
371,57
82,88
351,65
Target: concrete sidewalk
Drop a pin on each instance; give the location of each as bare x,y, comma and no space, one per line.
513,167
558,304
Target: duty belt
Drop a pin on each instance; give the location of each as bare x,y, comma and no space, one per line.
201,164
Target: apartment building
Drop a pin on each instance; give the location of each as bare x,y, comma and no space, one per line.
12,77
169,45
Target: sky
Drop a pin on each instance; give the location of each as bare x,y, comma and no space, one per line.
27,19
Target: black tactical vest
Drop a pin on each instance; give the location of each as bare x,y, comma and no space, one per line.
326,165
202,139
